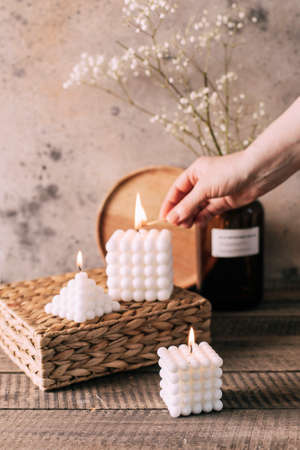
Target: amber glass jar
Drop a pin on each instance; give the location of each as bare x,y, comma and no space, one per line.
232,258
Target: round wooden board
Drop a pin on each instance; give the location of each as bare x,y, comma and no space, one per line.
117,212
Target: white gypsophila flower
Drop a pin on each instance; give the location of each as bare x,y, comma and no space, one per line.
114,64
188,110
88,70
153,52
154,119
92,69
261,107
115,67
143,15
230,76
213,98
202,105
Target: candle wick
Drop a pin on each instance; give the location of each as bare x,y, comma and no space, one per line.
141,225
191,348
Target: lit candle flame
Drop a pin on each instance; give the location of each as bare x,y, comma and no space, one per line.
140,215
79,260
191,339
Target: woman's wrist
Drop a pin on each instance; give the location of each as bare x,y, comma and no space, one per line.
268,166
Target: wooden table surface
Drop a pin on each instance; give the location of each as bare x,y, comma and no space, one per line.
261,395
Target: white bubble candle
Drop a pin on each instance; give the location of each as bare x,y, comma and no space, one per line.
191,378
139,262
81,299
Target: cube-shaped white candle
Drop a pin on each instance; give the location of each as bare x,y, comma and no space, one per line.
191,379
140,265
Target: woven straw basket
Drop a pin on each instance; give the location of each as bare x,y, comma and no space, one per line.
56,352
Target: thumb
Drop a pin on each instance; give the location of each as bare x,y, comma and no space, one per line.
188,207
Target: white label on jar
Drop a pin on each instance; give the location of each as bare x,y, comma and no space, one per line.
234,243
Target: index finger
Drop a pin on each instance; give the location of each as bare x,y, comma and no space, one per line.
177,191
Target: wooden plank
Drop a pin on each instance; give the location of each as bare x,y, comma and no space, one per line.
272,353
229,327
273,306
247,390
282,290
48,430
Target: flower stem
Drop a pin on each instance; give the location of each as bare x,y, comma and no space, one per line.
226,88
209,124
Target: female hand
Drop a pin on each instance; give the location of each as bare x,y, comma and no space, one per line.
212,185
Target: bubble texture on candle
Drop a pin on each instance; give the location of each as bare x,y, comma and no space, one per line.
140,265
124,271
83,300
190,381
138,295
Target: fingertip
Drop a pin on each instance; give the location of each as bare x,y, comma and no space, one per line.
186,225
166,207
173,217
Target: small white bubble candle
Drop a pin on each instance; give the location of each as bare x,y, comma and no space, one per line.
139,263
191,378
81,299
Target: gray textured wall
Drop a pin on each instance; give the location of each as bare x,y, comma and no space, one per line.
62,150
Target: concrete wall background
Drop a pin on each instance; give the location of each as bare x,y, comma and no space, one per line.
62,150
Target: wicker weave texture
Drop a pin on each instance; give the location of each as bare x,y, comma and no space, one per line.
55,352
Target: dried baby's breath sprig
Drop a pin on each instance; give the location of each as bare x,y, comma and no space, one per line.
207,114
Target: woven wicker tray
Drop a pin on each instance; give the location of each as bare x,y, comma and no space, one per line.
56,352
